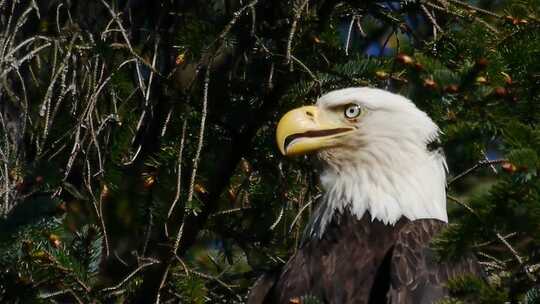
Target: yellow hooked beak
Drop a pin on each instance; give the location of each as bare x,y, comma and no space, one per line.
303,130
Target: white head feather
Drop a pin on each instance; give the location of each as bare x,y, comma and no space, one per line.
384,167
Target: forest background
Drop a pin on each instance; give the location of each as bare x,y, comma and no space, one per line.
137,153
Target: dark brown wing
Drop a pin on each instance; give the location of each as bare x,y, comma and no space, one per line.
416,277
341,267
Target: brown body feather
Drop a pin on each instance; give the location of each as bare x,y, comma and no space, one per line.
365,261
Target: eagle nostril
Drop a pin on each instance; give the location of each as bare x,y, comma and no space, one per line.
309,113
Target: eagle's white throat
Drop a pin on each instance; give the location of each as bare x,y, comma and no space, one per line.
385,167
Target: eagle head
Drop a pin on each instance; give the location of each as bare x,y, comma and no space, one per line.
374,148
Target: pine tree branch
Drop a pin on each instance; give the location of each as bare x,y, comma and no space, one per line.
178,176
229,211
478,165
509,235
297,14
465,205
432,19
129,276
232,22
97,207
447,10
517,257
196,160
309,203
200,142
503,240
474,8
349,32
125,35
61,292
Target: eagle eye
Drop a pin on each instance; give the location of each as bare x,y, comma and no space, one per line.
352,111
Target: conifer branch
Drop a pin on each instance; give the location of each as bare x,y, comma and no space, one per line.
166,123
509,235
178,176
129,276
165,276
307,70
234,19
186,269
491,265
474,8
201,134
278,219
125,35
478,165
517,257
61,292
463,204
297,217
229,211
359,26
432,19
349,32
97,206
105,106
193,174
503,240
447,10
297,14
218,280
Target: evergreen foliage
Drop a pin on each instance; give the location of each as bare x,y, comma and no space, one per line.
137,154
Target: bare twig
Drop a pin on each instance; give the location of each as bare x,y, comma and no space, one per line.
125,35
359,26
465,205
432,19
475,8
491,242
491,165
74,151
316,197
516,256
478,165
59,293
270,81
162,282
229,211
98,150
349,32
383,47
178,175
120,259
166,123
218,280
234,19
276,222
201,133
28,56
447,10
193,173
503,240
306,69
253,19
297,14
129,276
492,265
492,258
97,206
134,157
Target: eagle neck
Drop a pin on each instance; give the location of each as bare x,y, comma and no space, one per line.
404,182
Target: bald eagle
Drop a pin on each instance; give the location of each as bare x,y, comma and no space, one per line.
384,200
